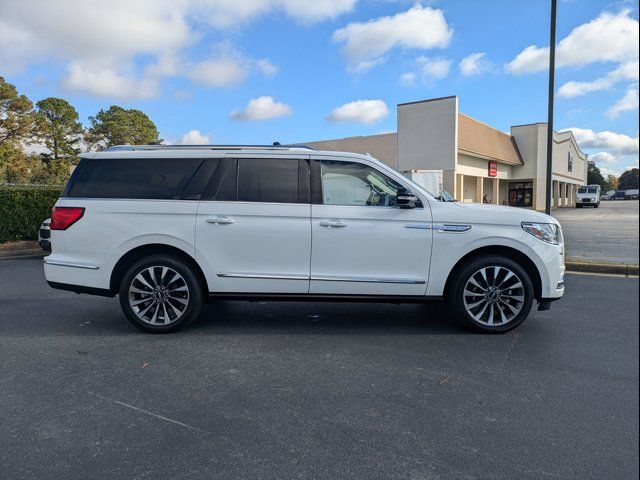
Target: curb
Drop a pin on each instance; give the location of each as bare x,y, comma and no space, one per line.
25,248
31,252
609,268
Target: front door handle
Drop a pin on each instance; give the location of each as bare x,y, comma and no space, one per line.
221,220
333,224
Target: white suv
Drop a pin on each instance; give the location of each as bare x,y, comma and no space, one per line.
166,228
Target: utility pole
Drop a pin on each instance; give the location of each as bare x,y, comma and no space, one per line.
552,68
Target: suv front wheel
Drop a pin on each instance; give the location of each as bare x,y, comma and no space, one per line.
491,294
160,294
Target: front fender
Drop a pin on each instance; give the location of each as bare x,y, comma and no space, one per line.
449,248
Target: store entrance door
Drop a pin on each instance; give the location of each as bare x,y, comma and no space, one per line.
521,194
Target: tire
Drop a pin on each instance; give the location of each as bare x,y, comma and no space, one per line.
160,294
596,205
486,311
578,205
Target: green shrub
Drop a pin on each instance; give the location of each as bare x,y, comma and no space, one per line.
22,210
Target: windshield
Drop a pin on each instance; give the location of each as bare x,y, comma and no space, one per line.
588,190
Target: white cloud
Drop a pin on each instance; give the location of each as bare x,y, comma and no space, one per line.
408,79
608,171
436,68
429,70
102,80
626,103
362,111
577,89
193,137
218,72
366,43
475,64
266,67
153,35
17,47
603,158
611,37
307,11
229,13
626,71
616,142
262,108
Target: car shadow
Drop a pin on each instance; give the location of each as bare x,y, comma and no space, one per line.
323,318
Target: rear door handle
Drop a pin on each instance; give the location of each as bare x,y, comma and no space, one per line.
221,220
333,224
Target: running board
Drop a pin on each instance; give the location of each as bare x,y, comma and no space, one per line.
308,297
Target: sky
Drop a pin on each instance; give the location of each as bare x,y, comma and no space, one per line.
259,71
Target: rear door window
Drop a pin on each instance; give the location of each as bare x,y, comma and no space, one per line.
144,178
268,180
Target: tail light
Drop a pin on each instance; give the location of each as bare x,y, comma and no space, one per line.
63,217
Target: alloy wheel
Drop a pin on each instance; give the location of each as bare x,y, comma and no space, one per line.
158,295
494,296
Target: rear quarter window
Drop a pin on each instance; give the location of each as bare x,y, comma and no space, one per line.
145,178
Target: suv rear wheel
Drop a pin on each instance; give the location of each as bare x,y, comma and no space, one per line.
160,294
491,294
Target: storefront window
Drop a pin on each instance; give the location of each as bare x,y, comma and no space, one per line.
521,194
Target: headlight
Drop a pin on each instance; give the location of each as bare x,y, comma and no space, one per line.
547,232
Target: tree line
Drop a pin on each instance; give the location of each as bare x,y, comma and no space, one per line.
55,124
628,180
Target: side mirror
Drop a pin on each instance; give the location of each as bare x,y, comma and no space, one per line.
406,199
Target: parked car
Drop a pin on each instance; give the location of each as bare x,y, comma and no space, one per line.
165,228
588,195
44,235
631,194
619,195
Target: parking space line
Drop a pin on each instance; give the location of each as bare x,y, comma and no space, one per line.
142,411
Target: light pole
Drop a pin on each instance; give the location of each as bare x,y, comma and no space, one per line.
552,67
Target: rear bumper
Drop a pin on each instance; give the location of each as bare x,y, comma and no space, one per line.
84,270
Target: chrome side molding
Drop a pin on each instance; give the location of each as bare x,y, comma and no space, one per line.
419,226
439,227
451,228
263,276
67,264
408,281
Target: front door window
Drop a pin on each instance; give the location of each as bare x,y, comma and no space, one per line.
355,184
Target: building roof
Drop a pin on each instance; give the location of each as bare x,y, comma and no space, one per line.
478,139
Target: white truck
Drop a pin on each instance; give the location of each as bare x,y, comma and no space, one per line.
430,180
588,195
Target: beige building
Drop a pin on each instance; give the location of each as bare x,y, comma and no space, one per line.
475,161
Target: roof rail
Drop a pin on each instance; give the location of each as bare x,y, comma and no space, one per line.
207,147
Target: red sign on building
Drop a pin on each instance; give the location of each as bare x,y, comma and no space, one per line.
493,169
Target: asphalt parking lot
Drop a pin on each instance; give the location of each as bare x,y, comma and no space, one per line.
307,390
608,233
